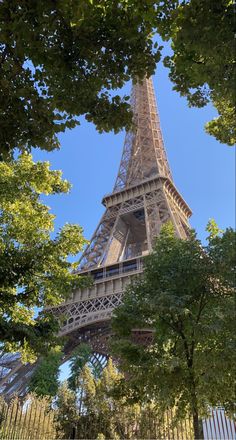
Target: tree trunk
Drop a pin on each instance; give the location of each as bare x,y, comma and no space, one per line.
194,407
196,429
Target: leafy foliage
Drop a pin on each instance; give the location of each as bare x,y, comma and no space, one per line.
100,412
79,359
45,379
202,66
34,270
186,296
60,60
67,414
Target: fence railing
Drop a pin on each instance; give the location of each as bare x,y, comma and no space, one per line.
34,419
219,426
30,420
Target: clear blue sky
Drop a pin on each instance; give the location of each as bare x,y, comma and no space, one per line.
203,169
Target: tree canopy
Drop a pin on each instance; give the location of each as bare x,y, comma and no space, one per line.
78,360
45,379
202,66
186,297
34,269
96,411
60,60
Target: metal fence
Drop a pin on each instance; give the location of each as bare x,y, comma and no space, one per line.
34,419
218,426
28,421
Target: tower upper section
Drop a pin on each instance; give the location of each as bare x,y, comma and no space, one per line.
144,196
144,154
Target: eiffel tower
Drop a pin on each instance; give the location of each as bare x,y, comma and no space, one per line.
143,199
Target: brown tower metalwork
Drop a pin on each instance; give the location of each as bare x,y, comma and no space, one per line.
143,199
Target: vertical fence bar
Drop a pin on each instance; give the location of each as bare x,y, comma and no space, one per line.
36,424
50,417
21,417
185,429
34,421
168,424
28,430
5,416
48,424
23,421
6,420
41,420
9,420
16,421
13,421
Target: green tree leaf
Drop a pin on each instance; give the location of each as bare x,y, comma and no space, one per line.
34,268
186,299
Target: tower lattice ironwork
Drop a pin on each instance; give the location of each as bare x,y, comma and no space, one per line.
143,199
